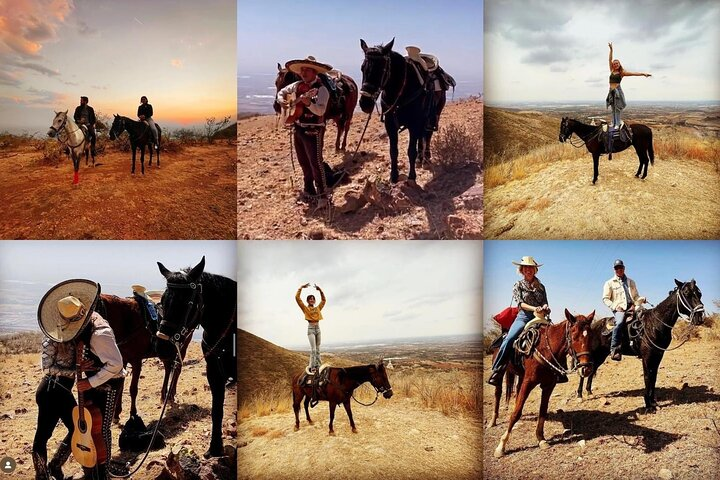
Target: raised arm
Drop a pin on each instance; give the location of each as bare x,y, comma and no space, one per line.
322,298
635,74
610,59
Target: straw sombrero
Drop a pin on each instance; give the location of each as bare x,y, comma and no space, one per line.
66,308
527,262
309,62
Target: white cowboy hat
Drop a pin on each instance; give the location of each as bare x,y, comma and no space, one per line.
527,262
309,62
65,309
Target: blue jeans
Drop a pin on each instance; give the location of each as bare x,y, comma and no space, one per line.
506,348
616,340
313,333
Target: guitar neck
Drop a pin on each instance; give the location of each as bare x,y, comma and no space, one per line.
79,357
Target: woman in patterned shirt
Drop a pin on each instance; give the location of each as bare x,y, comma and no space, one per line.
530,296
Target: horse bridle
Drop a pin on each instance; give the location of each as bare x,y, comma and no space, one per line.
383,82
555,364
680,300
195,306
122,127
62,128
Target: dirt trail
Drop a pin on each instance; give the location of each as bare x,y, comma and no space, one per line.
192,196
395,439
186,423
620,441
678,199
268,207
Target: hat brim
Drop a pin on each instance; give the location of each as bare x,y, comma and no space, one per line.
521,264
295,66
52,324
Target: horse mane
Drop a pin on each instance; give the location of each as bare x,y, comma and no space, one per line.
653,317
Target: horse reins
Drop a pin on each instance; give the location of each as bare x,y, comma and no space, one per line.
679,300
196,304
555,364
66,142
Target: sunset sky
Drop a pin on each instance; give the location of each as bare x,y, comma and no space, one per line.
181,55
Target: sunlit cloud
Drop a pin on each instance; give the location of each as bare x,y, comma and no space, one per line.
176,62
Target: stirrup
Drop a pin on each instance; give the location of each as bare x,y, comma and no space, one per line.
309,371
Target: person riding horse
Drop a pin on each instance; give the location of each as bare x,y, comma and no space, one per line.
620,294
145,113
85,115
66,316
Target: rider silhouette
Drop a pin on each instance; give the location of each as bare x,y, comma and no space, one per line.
85,115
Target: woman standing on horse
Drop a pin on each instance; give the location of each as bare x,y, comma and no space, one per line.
616,97
313,315
531,298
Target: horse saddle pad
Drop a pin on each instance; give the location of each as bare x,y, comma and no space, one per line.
321,377
624,133
149,310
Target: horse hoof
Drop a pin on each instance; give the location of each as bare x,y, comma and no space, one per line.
310,422
331,433
544,445
579,399
499,452
213,453
296,428
354,430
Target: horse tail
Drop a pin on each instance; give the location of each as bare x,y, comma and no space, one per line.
651,152
509,386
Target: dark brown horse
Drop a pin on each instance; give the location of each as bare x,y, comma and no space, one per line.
650,336
136,343
339,389
542,367
341,114
592,136
140,137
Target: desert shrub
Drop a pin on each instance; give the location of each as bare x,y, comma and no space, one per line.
51,152
186,136
489,336
24,342
456,145
273,400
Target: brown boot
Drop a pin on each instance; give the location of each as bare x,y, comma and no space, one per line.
58,460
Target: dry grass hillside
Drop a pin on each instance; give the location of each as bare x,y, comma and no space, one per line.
186,423
607,435
191,195
446,203
430,428
539,188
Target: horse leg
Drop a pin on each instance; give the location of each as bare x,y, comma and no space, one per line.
134,150
307,410
348,410
596,165
580,386
76,167
588,388
297,397
136,369
142,159
650,369
522,395
544,401
339,132
496,406
118,403
173,383
643,161
217,389
426,147
392,133
345,132
415,139
332,417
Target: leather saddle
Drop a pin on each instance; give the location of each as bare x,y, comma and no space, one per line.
623,135
319,379
632,322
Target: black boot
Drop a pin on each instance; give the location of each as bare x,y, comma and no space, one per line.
496,377
617,356
58,460
98,472
562,378
40,464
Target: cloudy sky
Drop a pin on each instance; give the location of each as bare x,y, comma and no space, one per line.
181,55
557,51
574,272
375,290
29,268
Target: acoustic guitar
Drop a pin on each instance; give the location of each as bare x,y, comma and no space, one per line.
87,420
303,91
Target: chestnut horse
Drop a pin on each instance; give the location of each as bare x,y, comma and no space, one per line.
342,114
339,389
136,343
548,358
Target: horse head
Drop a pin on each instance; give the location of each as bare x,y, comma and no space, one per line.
375,73
579,341
182,302
565,129
58,124
117,127
379,379
689,305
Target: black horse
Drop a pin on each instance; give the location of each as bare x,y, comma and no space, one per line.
405,101
650,335
140,136
339,389
593,136
194,298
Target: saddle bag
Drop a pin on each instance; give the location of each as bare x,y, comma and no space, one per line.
506,317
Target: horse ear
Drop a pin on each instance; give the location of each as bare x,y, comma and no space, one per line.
569,316
380,361
197,270
692,282
279,67
388,48
66,112
164,271
678,283
591,316
363,45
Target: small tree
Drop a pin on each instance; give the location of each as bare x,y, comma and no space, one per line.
212,127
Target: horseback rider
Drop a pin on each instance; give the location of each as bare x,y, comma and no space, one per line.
66,316
313,315
531,298
85,115
309,127
615,97
620,295
145,113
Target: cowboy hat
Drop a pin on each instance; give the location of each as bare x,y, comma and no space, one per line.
139,290
527,262
66,308
414,54
309,62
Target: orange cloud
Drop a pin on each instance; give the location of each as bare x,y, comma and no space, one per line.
176,62
26,24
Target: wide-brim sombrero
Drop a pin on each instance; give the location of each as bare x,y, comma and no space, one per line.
52,324
527,262
309,62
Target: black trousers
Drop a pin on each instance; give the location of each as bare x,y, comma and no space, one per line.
104,397
309,149
55,402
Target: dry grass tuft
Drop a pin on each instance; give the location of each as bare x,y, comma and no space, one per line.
524,165
24,342
455,145
518,206
259,431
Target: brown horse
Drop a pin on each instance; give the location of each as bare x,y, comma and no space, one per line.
136,343
548,358
339,389
341,114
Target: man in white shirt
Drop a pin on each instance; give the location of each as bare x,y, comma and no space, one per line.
620,295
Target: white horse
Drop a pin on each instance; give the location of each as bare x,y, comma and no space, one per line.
70,135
